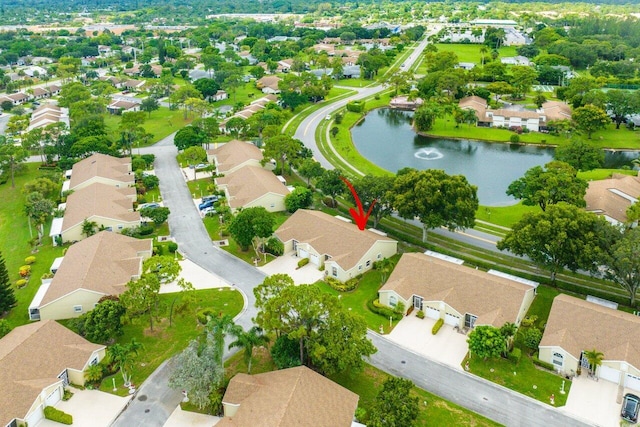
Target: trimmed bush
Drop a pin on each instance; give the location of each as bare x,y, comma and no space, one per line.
339,286
25,270
543,364
21,283
158,249
204,314
57,415
532,337
29,260
274,246
420,314
437,326
375,306
514,355
514,139
356,106
303,262
529,321
172,247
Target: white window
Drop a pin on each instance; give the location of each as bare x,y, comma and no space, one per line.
77,308
94,361
273,205
393,300
558,359
379,256
109,228
368,263
334,271
360,267
120,226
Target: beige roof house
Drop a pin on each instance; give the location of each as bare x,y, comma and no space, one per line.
268,84
291,397
35,361
235,154
460,295
612,197
97,266
106,205
250,186
556,110
46,114
334,242
102,168
576,325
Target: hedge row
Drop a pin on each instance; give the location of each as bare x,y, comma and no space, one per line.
543,364
339,286
375,306
57,415
437,326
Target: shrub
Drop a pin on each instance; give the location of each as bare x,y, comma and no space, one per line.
285,352
338,118
158,249
514,138
420,314
138,163
47,275
21,283
347,286
356,106
25,270
529,321
29,260
532,337
204,314
172,247
57,415
67,395
274,246
375,306
514,355
543,364
437,326
303,262
145,230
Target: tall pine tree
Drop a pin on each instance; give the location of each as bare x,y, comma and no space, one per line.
7,298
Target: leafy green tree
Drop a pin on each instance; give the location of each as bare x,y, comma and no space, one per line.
425,117
89,228
590,119
189,136
623,264
11,157
563,236
269,288
283,149
508,330
5,328
39,210
633,214
557,182
131,130
532,338
299,198
378,188
149,105
438,199
7,297
310,169
621,104
394,406
180,96
486,341
522,78
247,341
72,93
208,87
580,155
158,215
284,352
104,322
251,223
186,289
42,185
331,184
500,88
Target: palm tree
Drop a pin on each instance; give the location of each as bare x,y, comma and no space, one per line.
89,227
218,327
508,331
483,51
123,356
248,341
594,358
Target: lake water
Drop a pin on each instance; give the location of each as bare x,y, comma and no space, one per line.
385,137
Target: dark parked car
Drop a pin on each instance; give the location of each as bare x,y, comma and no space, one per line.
206,204
210,198
630,406
152,205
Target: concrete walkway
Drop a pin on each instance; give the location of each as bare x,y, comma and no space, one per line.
595,400
90,408
198,276
180,418
288,264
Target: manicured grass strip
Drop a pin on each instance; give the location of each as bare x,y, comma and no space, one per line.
162,123
504,216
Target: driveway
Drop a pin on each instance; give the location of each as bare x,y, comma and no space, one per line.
180,418
594,400
90,408
447,346
288,264
198,276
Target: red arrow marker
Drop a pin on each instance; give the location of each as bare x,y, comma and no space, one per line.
359,217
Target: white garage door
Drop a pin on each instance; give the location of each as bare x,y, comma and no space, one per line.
53,398
632,382
315,259
450,319
432,313
609,374
35,416
303,254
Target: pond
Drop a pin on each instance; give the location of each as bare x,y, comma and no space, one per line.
385,137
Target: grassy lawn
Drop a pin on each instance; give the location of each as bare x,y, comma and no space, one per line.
471,52
245,93
200,186
164,341
505,216
212,224
525,377
334,94
354,82
356,300
598,174
162,123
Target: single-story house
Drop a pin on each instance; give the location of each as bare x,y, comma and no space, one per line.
268,84
233,155
461,296
341,247
134,85
556,110
34,71
114,171
97,266
47,114
121,106
351,71
288,397
320,72
115,82
36,362
245,54
250,186
466,65
41,93
220,95
516,60
54,89
109,207
16,98
575,326
249,111
284,65
612,197
404,103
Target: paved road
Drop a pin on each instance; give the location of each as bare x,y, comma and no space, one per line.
493,401
194,243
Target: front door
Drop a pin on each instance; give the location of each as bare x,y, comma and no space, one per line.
64,376
469,320
417,302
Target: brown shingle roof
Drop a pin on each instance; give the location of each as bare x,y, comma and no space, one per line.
99,200
31,358
102,165
577,325
268,81
291,397
343,241
234,153
513,113
102,263
555,110
495,300
248,183
475,103
602,200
